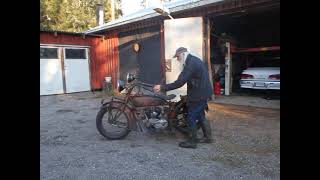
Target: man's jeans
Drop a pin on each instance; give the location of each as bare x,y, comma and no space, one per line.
196,112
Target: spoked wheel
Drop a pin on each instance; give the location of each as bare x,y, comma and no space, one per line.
112,123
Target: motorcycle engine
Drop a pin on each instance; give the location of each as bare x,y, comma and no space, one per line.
155,118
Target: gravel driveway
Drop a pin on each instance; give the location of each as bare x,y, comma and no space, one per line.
247,145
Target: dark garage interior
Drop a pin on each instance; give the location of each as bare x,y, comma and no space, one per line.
146,62
254,35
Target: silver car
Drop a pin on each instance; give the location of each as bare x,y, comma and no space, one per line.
261,78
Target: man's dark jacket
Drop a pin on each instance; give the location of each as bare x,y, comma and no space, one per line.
196,75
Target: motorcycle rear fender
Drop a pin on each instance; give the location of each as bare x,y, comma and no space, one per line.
127,110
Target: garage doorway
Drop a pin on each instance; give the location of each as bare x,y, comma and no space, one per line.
51,81
76,70
254,36
64,69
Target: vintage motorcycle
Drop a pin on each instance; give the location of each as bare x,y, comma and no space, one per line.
140,109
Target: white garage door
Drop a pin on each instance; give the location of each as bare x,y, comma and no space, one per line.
76,67
50,71
185,32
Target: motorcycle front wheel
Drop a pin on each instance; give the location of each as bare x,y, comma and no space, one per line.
112,123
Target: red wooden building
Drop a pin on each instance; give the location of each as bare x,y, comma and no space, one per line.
59,49
74,62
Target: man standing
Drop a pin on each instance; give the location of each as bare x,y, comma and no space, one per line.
199,90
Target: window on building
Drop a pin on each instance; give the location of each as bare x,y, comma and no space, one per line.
48,53
75,53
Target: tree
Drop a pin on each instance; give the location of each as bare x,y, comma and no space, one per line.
73,15
48,12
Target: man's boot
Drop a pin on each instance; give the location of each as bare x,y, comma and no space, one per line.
192,141
206,129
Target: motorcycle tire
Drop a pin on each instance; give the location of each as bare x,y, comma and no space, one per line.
106,133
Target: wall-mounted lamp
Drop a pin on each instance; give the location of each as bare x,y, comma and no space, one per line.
136,47
161,9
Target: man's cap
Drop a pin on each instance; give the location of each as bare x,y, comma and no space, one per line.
179,51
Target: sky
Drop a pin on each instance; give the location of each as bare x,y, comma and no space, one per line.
131,6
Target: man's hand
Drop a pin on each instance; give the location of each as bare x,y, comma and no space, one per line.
157,88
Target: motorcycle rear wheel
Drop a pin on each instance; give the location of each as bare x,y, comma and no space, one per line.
113,117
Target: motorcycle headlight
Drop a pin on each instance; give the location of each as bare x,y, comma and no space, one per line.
130,77
120,85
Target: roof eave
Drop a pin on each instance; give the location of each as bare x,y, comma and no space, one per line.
174,9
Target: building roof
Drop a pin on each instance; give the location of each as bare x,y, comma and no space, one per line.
61,32
69,33
147,13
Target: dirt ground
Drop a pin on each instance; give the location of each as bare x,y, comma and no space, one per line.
253,98
246,145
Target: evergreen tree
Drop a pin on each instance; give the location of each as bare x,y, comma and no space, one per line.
73,15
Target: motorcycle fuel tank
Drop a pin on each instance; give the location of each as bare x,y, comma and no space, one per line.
142,101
